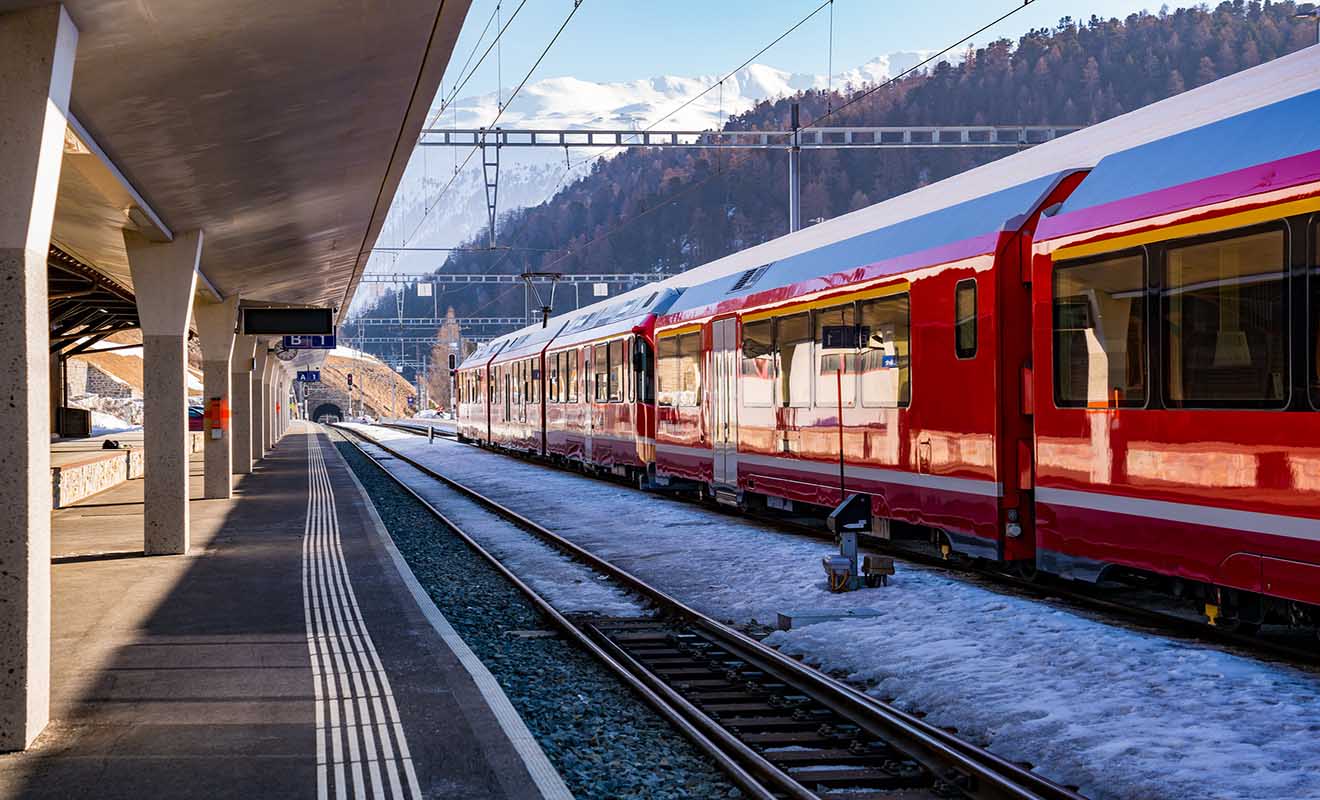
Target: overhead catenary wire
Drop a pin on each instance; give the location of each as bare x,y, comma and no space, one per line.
427,212
719,83
692,188
939,54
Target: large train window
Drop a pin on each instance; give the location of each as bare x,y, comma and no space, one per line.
1100,333
964,318
618,365
758,364
886,353
600,372
836,349
794,344
1226,323
678,370
573,383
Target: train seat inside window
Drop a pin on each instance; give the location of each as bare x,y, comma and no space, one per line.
885,358
758,364
1226,322
1100,333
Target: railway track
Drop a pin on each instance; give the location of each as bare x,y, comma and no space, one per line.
778,728
1151,617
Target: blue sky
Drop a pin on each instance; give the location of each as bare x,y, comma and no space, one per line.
612,40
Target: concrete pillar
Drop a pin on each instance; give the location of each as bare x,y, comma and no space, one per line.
215,329
37,49
261,367
240,403
166,276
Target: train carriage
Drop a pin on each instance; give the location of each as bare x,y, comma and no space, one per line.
601,408
1176,309
887,364
517,373
474,390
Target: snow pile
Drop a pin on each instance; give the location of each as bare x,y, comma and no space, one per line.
358,355
1118,712
103,424
125,409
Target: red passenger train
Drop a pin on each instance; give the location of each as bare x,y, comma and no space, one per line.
1097,358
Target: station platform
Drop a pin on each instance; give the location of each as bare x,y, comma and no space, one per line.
287,655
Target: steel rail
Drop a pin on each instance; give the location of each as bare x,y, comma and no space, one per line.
747,768
976,771
1168,623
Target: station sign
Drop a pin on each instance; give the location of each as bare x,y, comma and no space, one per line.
309,342
309,376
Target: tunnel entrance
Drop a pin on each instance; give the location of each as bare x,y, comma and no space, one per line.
327,412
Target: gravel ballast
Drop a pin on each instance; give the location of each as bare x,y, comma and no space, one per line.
604,740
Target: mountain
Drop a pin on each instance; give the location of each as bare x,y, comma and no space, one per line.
529,177
669,210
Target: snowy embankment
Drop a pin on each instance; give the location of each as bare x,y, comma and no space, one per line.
103,424
1118,712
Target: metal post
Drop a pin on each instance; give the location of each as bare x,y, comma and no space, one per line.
795,177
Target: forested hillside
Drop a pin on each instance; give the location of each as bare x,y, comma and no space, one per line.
652,210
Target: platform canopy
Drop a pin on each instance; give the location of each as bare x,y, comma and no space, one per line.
279,129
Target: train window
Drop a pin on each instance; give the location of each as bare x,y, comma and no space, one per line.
646,374
758,364
886,352
552,378
535,366
666,371
600,367
964,318
1226,323
618,365
794,345
1100,333
689,368
628,377
574,382
1314,307
836,349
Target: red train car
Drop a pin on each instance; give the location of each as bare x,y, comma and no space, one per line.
475,393
887,364
601,406
1177,300
518,406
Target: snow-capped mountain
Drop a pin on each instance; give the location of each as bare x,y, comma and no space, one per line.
531,176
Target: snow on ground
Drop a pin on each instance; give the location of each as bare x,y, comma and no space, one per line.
348,352
103,424
1118,712
567,585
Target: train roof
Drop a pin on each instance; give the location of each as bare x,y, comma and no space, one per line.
484,352
618,314
1265,85
1260,150
972,226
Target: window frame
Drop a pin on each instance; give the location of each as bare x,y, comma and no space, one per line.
975,320
830,402
773,355
1161,255
861,386
1151,321
782,396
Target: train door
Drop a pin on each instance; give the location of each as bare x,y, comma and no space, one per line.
724,399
